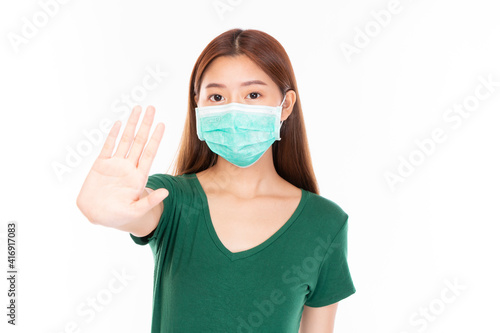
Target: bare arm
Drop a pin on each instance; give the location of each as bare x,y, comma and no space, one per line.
318,320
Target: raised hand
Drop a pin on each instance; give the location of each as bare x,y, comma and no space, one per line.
111,193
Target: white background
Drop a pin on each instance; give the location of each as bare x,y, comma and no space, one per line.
407,242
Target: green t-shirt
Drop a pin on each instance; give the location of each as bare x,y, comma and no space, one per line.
201,286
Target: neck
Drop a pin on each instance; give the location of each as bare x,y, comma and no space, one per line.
258,179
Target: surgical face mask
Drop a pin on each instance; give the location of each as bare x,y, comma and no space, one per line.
240,133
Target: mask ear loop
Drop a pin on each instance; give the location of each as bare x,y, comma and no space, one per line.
283,100
281,121
281,105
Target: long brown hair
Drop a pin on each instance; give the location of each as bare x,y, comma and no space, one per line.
291,156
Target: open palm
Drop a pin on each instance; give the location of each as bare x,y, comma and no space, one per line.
111,193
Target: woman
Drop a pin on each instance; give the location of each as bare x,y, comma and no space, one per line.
241,238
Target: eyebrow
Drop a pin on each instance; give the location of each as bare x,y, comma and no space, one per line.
247,83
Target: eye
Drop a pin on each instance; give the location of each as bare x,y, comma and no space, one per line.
217,98
253,95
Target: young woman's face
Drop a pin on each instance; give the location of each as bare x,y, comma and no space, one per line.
237,80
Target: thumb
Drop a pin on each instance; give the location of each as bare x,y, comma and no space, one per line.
151,200
157,196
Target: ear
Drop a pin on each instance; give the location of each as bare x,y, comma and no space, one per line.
290,99
196,99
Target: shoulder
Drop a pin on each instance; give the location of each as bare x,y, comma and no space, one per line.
326,206
325,214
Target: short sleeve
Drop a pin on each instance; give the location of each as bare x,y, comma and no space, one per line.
160,233
334,279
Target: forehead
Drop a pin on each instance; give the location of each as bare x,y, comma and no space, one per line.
232,70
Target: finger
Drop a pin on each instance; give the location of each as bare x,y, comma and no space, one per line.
150,152
142,136
128,133
154,198
109,144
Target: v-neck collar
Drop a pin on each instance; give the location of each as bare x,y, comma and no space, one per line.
246,253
